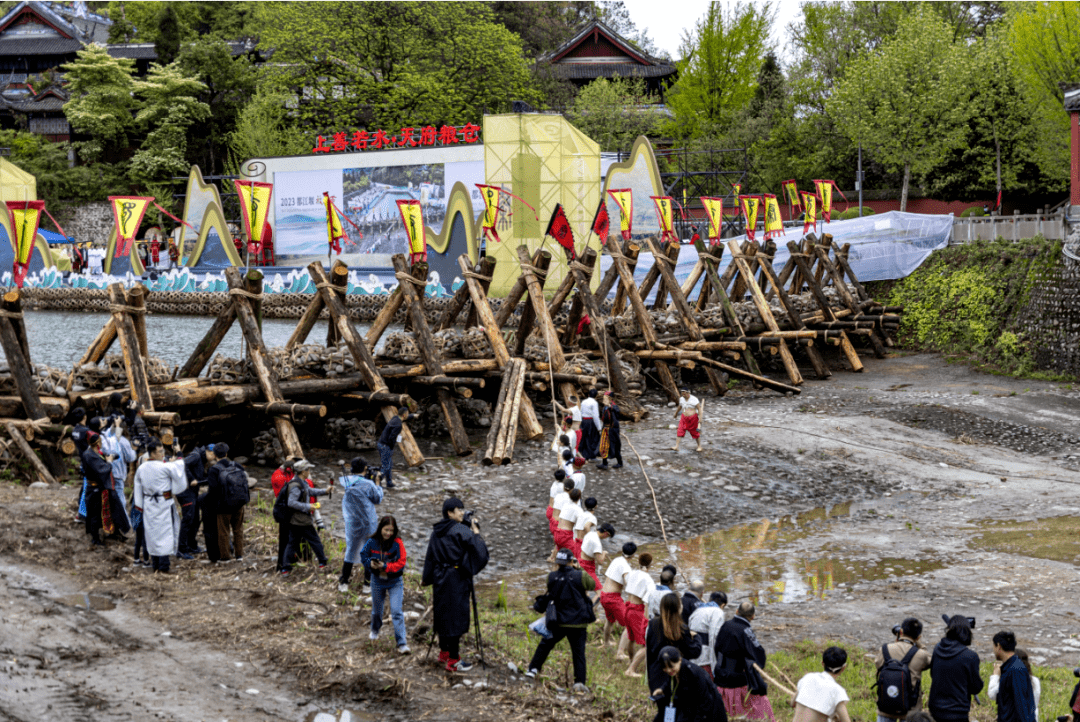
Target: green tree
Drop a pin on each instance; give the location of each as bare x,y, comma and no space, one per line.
56,180
1044,42
721,58
908,101
170,105
140,22
264,128
102,101
230,83
167,43
615,112
392,65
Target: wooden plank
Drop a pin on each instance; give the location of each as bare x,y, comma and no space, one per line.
540,261
588,258
425,342
529,423
134,361
365,364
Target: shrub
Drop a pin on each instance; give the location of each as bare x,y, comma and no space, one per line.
853,212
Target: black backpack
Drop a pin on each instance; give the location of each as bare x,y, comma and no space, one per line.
282,512
235,493
896,692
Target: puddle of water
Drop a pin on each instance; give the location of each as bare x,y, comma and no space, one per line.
342,716
89,602
1054,538
747,561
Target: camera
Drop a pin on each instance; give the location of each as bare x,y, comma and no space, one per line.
897,631
470,518
1076,672
320,524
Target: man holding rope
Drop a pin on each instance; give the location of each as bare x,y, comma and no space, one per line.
739,659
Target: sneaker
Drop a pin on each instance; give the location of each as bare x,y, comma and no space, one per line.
458,665
284,573
373,635
322,567
579,688
342,587
239,560
389,485
404,649
185,555
444,657
137,563
531,674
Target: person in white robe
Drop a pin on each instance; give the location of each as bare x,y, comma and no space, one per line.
156,483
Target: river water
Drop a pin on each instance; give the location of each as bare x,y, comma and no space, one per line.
59,338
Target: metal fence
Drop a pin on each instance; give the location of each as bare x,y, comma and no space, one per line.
1015,227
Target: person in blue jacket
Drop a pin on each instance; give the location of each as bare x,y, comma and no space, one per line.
358,509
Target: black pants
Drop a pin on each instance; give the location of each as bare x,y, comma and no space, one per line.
576,636
282,542
189,525
140,542
209,525
298,534
346,573
93,513
450,645
160,564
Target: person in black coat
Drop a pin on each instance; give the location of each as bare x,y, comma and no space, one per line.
104,512
954,673
195,469
688,689
667,630
737,650
388,440
691,599
568,589
455,554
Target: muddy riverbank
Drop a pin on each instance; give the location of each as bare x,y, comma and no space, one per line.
916,488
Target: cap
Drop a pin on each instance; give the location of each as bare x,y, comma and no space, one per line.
564,557
303,465
92,436
451,504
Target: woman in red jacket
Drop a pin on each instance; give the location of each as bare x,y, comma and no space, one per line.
384,556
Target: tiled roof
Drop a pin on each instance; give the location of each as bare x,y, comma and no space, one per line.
581,71
135,51
38,46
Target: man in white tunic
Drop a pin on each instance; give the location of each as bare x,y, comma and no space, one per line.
156,483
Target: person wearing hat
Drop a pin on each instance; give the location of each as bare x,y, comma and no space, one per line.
302,504
954,673
104,514
388,440
455,554
687,691
568,592
358,509
688,411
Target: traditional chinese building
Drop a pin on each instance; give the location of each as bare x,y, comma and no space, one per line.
597,51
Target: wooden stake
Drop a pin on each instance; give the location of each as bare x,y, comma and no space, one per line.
136,298
540,260
28,453
712,257
134,361
630,254
803,272
588,259
461,297
205,349
339,277
96,351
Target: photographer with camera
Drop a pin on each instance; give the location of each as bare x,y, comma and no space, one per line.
358,501
300,500
1011,684
456,553
568,614
954,672
900,666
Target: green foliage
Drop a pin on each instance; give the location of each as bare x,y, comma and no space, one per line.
102,100
141,22
973,212
392,65
170,105
853,212
167,44
264,128
969,299
614,112
48,163
721,58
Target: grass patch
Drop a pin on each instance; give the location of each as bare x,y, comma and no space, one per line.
1055,538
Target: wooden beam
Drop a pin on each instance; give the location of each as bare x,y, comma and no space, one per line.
286,408
96,351
611,276
821,369
712,257
461,297
28,453
588,259
543,321
540,261
339,278
803,272
136,298
134,361
205,349
670,251
630,259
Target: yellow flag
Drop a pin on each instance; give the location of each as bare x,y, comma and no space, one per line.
791,192
25,219
412,215
810,206
491,209
714,209
254,208
750,207
664,212
824,191
624,199
128,212
774,224
335,232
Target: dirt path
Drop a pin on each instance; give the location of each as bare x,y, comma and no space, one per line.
868,498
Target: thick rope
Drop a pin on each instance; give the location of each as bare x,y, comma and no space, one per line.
409,278
477,276
337,289
10,314
710,257
534,270
656,505
245,294
118,308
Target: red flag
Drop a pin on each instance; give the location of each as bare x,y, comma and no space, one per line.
559,229
601,223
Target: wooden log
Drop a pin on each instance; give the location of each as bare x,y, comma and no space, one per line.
672,252
580,379
12,303
306,323
381,397
712,257
419,271
96,351
687,314
540,261
365,364
205,349
452,382
452,366
473,318
544,322
498,413
285,408
529,423
136,299
759,380
652,275
29,455
826,310
688,285
425,342
382,320
22,376
668,354
630,258
264,372
713,346
161,418
561,294
506,310
588,259
763,309
611,276
630,290
517,392
55,407
98,399
821,369
134,361
339,278
58,434
461,297
845,295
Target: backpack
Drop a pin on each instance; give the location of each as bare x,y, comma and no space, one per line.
235,494
282,512
896,692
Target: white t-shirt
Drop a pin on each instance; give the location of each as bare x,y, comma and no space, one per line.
568,467
558,453
570,511
579,481
591,546
820,692
575,414
556,489
639,583
617,570
583,519
689,404
561,500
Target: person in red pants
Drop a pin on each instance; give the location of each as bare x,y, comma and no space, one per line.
689,412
